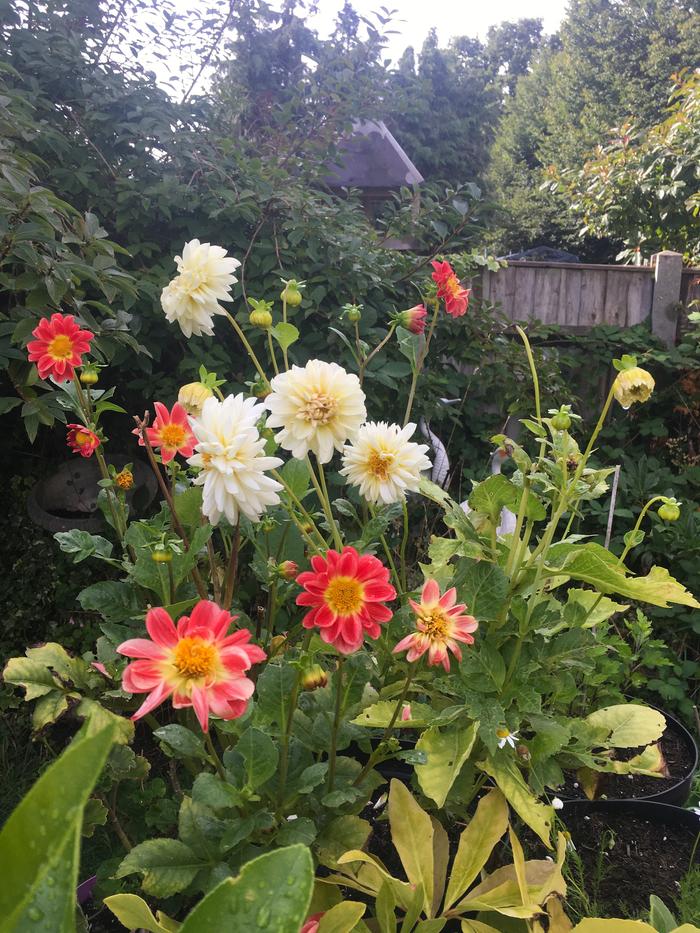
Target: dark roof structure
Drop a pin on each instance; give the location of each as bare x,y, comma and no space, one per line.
372,159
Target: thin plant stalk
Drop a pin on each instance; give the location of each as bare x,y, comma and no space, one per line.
404,544
336,722
249,350
419,364
386,735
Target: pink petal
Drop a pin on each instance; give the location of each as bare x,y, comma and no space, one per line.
200,704
161,628
155,698
141,648
431,592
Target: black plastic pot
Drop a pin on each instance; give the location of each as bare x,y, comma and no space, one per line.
662,813
678,793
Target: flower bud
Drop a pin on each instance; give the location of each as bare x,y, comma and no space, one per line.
161,556
277,645
193,396
125,479
633,385
260,388
288,569
314,677
561,421
669,511
261,317
89,376
268,524
290,294
413,319
523,752
353,313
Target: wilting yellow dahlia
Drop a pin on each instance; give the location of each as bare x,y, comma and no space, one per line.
633,385
384,463
193,396
318,407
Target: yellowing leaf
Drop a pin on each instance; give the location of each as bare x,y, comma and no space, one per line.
412,834
537,815
342,918
592,925
446,752
135,914
628,725
476,843
378,716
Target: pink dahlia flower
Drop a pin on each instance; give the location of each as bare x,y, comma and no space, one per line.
441,623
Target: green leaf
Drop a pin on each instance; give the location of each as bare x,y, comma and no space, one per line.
634,538
341,835
588,608
660,916
378,716
167,866
211,790
446,750
116,601
302,830
82,544
180,742
342,918
412,834
498,492
476,843
272,892
537,429
135,914
40,842
483,586
510,781
274,689
260,757
628,725
295,473
285,334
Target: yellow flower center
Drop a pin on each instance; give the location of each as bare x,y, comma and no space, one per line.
61,347
81,438
172,435
344,595
502,733
379,464
125,479
192,280
194,658
435,624
319,408
452,286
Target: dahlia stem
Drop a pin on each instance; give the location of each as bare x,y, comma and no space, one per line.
297,502
285,355
272,353
336,722
322,494
382,343
287,730
374,757
419,364
232,569
404,543
251,353
215,756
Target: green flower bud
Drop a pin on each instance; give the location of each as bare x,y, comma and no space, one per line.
291,293
669,511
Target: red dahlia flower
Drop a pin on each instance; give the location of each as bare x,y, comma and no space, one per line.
413,319
82,440
197,663
450,289
171,432
346,593
58,347
441,623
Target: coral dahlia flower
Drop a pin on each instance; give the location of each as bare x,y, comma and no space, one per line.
318,407
59,346
171,432
82,440
346,593
450,289
384,463
196,663
441,623
205,278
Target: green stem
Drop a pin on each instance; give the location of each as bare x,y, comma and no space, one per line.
515,540
285,349
364,362
628,547
389,729
297,502
271,347
215,756
336,722
404,544
419,364
322,493
244,340
287,727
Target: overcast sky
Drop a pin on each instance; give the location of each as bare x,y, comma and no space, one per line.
414,18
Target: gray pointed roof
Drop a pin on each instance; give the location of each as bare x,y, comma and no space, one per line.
372,158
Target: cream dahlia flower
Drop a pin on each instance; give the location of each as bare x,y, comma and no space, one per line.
318,407
205,276
384,463
229,452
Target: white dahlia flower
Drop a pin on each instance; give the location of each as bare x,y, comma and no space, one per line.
318,407
229,451
205,276
384,463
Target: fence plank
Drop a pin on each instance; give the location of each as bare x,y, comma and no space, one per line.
524,294
615,310
592,305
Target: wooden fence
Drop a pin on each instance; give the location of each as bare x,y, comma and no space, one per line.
579,296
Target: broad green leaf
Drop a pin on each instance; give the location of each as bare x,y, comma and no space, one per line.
135,914
285,334
180,742
339,836
378,716
167,866
272,892
40,842
115,600
260,756
483,586
446,750
34,676
342,918
385,909
295,474
660,916
498,492
588,608
82,544
97,718
476,843
592,563
510,781
628,725
412,834
274,689
211,790
188,505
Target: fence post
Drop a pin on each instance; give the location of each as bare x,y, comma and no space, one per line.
668,267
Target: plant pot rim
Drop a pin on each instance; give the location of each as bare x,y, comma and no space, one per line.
660,812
